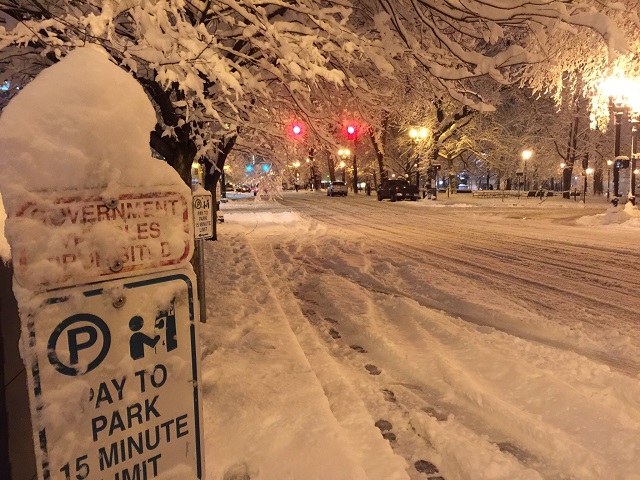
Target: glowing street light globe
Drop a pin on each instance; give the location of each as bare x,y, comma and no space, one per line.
526,155
419,134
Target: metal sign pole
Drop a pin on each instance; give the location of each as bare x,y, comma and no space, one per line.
200,275
204,212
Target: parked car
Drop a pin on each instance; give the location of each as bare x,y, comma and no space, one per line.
397,189
337,188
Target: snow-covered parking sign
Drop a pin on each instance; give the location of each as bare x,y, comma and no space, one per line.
96,237
101,234
115,380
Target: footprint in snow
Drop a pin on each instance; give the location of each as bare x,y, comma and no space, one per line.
331,320
441,417
385,428
426,467
389,436
384,425
389,396
372,369
358,348
334,333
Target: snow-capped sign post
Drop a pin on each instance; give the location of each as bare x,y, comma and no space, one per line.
101,235
203,225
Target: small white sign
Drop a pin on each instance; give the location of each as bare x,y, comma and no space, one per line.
83,237
115,374
202,214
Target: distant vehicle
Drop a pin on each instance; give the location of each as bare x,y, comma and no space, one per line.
228,187
337,188
397,189
245,189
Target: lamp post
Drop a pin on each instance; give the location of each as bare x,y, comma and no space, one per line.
609,163
296,180
634,155
587,172
526,155
617,122
344,154
418,135
623,99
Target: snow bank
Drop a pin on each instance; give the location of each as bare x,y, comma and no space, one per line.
629,216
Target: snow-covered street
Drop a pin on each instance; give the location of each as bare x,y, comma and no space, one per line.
352,339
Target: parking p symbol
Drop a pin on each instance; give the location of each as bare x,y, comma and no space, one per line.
75,346
77,355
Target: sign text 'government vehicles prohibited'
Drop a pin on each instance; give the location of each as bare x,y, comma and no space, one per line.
115,376
84,236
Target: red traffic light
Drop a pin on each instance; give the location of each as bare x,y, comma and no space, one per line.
297,129
351,129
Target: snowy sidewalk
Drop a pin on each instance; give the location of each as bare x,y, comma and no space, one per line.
266,415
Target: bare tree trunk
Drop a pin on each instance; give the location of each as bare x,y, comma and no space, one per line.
379,148
332,166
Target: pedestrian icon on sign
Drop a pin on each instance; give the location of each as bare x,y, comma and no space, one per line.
165,321
138,340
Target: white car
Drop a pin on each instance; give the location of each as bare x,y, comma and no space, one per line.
337,188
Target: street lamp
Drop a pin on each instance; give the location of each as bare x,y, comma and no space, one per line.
526,155
344,154
418,135
623,98
562,167
609,163
587,172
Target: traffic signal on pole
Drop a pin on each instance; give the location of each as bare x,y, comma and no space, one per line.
296,130
249,168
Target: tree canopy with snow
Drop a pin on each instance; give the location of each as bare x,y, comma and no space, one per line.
225,73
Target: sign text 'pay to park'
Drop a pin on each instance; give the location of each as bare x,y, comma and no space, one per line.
116,380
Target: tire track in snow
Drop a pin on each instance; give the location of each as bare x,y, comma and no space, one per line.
553,300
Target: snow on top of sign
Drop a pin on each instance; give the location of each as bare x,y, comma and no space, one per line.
5,251
82,123
200,190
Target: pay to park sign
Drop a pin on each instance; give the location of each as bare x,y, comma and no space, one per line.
114,369
202,214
